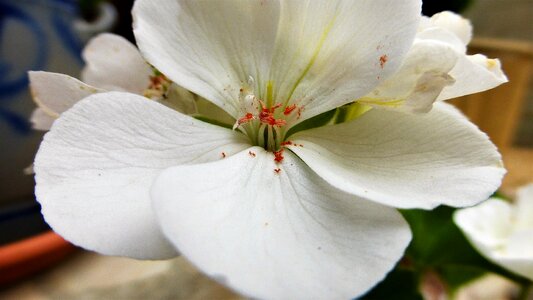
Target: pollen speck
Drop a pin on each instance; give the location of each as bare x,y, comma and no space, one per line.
277,171
278,155
491,63
383,60
223,154
252,154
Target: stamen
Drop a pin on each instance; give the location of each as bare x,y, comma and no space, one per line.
247,118
289,109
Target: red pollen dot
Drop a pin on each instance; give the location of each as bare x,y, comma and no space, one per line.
278,155
223,155
252,154
278,170
383,60
287,143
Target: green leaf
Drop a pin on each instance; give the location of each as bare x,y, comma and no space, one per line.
456,276
400,284
440,245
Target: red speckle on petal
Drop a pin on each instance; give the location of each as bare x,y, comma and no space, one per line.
383,60
223,154
277,171
252,154
287,143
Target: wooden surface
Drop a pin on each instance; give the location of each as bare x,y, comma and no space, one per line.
519,165
498,111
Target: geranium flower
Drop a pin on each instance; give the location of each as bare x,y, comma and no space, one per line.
310,215
502,231
112,64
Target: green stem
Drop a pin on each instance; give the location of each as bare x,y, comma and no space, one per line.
525,289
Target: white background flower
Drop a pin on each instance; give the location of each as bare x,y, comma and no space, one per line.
112,64
502,231
297,217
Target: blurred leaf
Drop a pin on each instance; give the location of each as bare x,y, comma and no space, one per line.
456,276
440,245
400,284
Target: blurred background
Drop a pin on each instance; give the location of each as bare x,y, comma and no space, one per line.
50,35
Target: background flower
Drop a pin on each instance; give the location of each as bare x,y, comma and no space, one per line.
502,231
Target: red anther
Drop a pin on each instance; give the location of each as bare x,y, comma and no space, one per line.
268,118
156,81
278,170
278,155
287,143
247,118
273,108
289,109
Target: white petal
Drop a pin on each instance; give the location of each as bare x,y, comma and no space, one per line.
418,82
490,223
321,54
268,235
454,23
474,74
406,161
208,47
524,211
520,266
55,93
329,53
115,64
489,227
444,36
40,120
95,167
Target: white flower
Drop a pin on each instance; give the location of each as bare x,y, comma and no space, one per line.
437,68
271,216
113,64
502,231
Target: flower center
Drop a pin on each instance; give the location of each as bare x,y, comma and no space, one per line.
158,86
264,121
